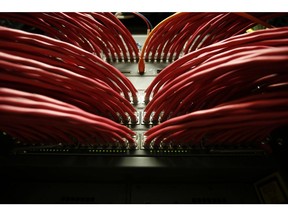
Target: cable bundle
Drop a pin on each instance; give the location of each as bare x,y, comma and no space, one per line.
182,33
42,65
99,33
40,120
206,77
241,97
250,119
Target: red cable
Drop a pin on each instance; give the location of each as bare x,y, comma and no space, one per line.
277,36
203,76
120,32
250,113
19,110
77,87
84,31
108,101
171,40
230,92
71,55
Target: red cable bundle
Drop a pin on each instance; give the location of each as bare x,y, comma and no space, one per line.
98,33
182,33
250,119
203,78
235,98
41,120
119,31
166,39
43,65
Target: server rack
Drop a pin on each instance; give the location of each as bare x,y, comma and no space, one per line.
93,175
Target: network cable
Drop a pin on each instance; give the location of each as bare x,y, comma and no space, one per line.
238,96
191,82
39,64
99,33
182,33
38,120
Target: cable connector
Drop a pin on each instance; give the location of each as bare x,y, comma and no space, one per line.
141,66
